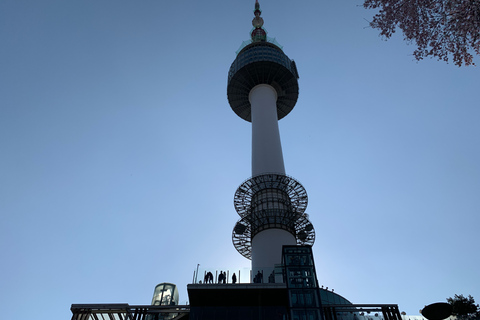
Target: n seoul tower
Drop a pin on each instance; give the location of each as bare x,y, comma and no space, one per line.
262,89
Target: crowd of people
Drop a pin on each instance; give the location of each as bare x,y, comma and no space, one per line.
222,277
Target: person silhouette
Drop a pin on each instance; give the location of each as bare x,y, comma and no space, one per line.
259,277
234,278
271,277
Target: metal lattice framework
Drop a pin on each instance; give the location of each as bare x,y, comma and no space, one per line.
304,230
271,201
242,234
242,238
246,191
123,311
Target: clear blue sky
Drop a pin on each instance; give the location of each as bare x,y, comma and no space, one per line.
120,154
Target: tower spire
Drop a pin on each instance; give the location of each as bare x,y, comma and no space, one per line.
258,34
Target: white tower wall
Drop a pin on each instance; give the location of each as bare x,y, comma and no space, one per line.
267,154
267,157
267,250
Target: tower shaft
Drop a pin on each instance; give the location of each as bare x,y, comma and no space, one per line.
263,88
267,249
267,154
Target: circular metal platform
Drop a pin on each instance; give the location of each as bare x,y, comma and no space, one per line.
244,195
242,234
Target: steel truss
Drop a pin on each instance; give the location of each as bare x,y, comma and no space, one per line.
271,201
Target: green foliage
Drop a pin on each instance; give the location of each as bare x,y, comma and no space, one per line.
464,307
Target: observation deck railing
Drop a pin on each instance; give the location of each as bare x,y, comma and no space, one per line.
243,275
124,311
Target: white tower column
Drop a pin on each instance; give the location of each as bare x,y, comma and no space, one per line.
267,154
267,157
270,203
267,250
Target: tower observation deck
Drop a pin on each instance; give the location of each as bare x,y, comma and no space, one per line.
262,89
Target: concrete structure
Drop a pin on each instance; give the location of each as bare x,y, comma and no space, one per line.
263,88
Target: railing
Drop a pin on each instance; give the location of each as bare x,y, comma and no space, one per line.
221,275
361,312
249,41
123,311
147,312
242,275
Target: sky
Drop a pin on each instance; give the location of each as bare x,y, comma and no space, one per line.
120,155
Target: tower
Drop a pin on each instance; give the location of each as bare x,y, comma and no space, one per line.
273,230
262,89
